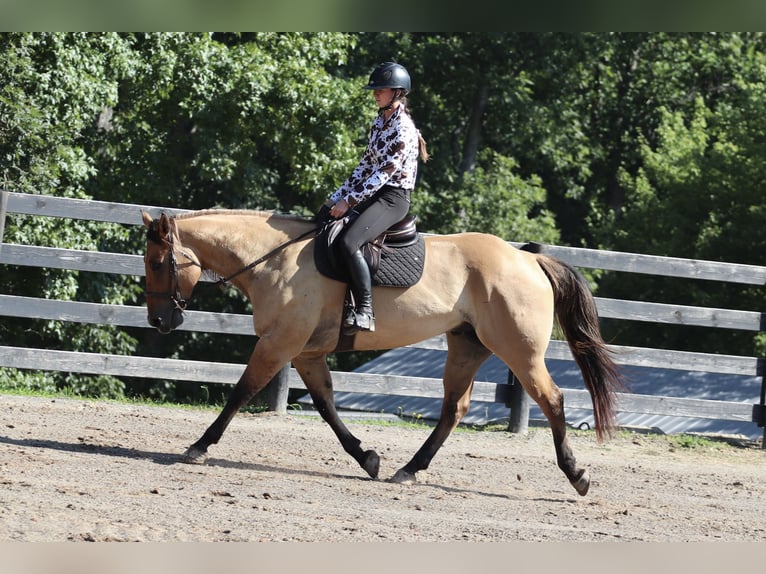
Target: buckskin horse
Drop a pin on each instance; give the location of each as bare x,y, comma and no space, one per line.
486,295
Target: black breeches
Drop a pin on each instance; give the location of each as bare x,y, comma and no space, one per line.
389,205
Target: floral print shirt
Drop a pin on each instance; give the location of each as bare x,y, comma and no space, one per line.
391,158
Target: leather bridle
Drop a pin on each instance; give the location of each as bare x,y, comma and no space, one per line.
175,293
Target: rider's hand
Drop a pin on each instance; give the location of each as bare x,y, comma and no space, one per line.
339,209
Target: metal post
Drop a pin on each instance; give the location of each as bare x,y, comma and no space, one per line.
519,405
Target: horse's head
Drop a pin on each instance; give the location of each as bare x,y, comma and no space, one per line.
171,273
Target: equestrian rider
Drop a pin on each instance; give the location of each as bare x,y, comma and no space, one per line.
379,187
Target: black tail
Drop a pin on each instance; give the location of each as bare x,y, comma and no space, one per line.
577,315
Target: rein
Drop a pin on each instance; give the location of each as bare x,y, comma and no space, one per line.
268,256
175,294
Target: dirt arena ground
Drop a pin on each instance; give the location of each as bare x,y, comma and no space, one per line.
73,470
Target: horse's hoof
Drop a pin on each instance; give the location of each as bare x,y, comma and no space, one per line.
371,463
403,477
194,455
582,484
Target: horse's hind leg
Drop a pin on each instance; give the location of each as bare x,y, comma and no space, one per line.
522,348
464,357
316,376
538,383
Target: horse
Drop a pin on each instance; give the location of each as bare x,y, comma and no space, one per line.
485,295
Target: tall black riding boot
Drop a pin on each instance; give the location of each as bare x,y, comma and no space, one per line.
360,318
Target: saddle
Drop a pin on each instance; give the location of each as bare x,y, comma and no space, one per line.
395,257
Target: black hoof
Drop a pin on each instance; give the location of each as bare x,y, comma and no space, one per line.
582,483
403,477
371,463
194,455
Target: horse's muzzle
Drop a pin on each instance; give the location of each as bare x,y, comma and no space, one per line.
166,323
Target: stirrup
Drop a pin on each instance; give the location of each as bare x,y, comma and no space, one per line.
349,318
362,321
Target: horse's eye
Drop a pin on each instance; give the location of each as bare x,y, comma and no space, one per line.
155,265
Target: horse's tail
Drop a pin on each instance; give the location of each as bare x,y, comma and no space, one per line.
577,315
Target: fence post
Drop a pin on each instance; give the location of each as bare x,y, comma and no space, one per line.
274,395
518,402
3,209
760,411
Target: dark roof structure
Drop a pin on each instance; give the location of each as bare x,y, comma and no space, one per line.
641,380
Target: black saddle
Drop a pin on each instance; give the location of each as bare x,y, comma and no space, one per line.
395,257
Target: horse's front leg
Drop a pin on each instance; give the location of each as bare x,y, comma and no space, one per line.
316,376
261,368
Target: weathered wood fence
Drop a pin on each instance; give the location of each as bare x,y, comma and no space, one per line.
228,373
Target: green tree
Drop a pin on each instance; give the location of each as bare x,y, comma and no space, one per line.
52,88
697,193
240,124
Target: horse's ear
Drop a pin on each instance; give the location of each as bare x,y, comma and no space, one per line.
147,219
164,227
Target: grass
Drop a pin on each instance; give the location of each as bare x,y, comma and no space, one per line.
67,394
692,442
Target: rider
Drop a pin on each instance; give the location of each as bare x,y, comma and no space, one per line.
379,187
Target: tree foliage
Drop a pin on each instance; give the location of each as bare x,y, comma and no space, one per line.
640,142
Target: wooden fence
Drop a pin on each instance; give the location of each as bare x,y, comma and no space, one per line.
228,373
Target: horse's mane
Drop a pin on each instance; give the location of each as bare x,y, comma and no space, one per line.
252,212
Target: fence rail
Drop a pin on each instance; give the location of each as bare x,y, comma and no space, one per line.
227,373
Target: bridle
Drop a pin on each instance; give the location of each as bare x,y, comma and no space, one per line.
175,292
175,288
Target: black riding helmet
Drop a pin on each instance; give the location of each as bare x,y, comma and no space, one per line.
389,75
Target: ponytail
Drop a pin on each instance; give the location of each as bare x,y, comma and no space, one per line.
422,147
424,155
